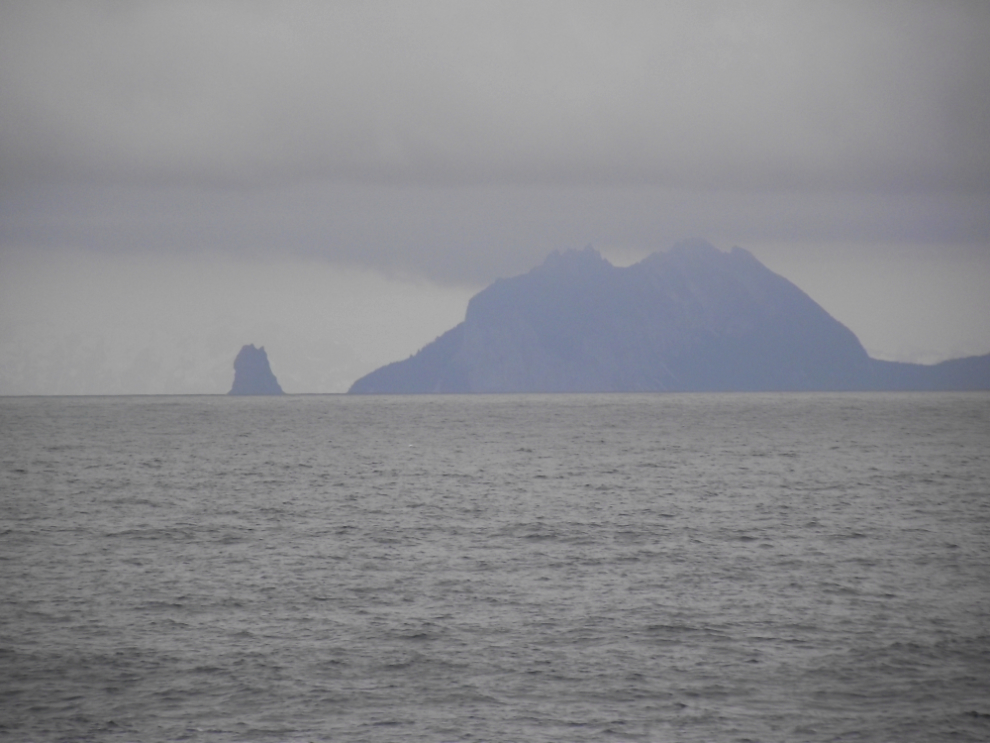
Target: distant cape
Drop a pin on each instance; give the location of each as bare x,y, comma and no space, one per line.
252,373
692,319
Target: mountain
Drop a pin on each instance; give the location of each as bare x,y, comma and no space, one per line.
691,319
252,373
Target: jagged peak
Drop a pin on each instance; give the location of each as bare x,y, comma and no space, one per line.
695,247
691,249
587,256
585,264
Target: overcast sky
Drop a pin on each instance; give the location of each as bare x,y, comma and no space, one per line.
335,180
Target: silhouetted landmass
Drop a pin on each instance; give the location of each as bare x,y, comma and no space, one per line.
252,374
692,319
970,373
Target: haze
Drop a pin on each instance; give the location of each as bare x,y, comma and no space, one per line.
334,180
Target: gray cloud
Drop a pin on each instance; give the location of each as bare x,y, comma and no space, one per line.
853,95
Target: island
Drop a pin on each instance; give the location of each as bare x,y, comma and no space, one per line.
692,319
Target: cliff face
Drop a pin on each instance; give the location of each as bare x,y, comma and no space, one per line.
692,319
252,373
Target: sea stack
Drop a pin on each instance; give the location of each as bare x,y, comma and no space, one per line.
252,373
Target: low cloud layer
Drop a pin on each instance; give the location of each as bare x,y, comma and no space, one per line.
475,234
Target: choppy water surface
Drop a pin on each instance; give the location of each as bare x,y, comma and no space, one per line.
509,568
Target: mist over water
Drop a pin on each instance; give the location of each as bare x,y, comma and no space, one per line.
734,567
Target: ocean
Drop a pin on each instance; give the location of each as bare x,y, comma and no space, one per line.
666,567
